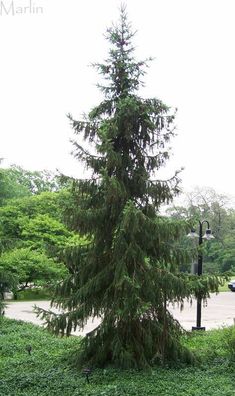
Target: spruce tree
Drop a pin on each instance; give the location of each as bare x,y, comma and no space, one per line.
128,272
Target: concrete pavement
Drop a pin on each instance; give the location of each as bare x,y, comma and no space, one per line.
218,312
25,311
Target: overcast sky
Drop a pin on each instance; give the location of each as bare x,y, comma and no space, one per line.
45,74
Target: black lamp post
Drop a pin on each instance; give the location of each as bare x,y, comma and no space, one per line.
208,235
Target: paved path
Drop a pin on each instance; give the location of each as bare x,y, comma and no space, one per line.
25,311
219,311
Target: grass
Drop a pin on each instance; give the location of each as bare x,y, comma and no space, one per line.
46,371
33,294
225,286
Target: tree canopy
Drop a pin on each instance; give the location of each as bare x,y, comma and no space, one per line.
16,182
206,204
30,267
32,232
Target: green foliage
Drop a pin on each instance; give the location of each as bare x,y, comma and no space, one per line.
209,346
2,306
27,182
43,231
33,236
229,342
9,188
16,182
35,221
30,267
130,269
8,281
46,203
45,372
205,203
37,293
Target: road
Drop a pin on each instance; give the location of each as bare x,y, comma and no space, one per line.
218,312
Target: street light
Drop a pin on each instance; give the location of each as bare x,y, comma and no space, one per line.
208,235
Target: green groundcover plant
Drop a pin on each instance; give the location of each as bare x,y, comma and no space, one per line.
34,362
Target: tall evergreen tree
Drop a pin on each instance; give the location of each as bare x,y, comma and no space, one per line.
129,270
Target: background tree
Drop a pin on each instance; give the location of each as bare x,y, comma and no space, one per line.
16,182
34,221
33,182
129,271
30,268
32,233
8,281
206,203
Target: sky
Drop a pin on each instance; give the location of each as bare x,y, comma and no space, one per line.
45,58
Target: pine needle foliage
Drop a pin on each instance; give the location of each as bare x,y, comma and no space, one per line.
128,273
